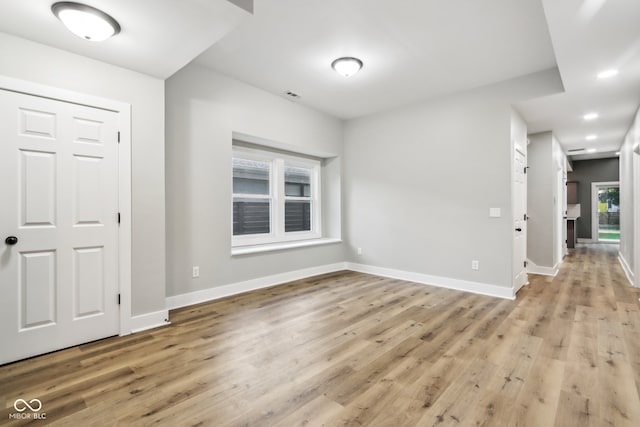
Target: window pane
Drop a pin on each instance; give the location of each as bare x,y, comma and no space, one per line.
297,182
250,177
251,216
297,215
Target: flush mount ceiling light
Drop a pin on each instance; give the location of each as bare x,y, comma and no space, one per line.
607,74
591,116
592,137
347,66
591,150
85,21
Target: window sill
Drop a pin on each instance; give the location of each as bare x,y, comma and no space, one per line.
270,247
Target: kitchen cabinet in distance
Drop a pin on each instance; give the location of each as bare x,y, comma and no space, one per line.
572,192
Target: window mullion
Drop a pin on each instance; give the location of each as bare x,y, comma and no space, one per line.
279,199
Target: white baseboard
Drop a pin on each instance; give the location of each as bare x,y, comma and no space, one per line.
515,290
626,269
149,321
534,268
191,298
217,292
441,282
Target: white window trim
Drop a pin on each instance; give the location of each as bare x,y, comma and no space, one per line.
277,196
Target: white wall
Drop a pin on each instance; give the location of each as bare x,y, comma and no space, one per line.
204,108
38,63
630,199
419,182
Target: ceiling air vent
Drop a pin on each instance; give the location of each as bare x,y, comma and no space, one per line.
291,95
576,150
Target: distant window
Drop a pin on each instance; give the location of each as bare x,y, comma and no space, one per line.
275,197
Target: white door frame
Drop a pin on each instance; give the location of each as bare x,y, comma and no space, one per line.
124,175
594,205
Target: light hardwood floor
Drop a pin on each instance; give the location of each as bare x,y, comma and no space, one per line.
353,349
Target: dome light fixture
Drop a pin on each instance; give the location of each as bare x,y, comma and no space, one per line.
85,21
347,66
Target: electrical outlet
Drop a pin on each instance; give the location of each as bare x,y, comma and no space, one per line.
359,251
196,271
475,264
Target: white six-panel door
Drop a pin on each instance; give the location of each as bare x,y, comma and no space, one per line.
59,196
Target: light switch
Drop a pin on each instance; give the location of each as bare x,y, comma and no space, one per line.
494,213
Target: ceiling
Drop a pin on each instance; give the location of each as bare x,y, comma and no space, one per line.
590,36
158,36
412,50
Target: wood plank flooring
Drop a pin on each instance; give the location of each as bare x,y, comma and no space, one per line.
350,349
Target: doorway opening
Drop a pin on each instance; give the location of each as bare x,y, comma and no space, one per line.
606,208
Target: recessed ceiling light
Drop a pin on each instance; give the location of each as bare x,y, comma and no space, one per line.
85,21
591,150
607,73
591,137
347,66
591,116
617,153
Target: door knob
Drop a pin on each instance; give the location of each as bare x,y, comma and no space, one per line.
518,229
11,240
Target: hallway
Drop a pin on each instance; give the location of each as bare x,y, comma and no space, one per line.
589,318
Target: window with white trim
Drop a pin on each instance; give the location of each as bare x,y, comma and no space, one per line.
276,197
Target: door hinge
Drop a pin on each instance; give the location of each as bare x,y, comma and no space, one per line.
118,299
118,217
525,263
118,137
525,217
525,169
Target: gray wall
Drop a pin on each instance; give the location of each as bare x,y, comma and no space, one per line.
38,63
419,186
585,172
559,171
204,109
419,182
540,182
545,200
630,198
